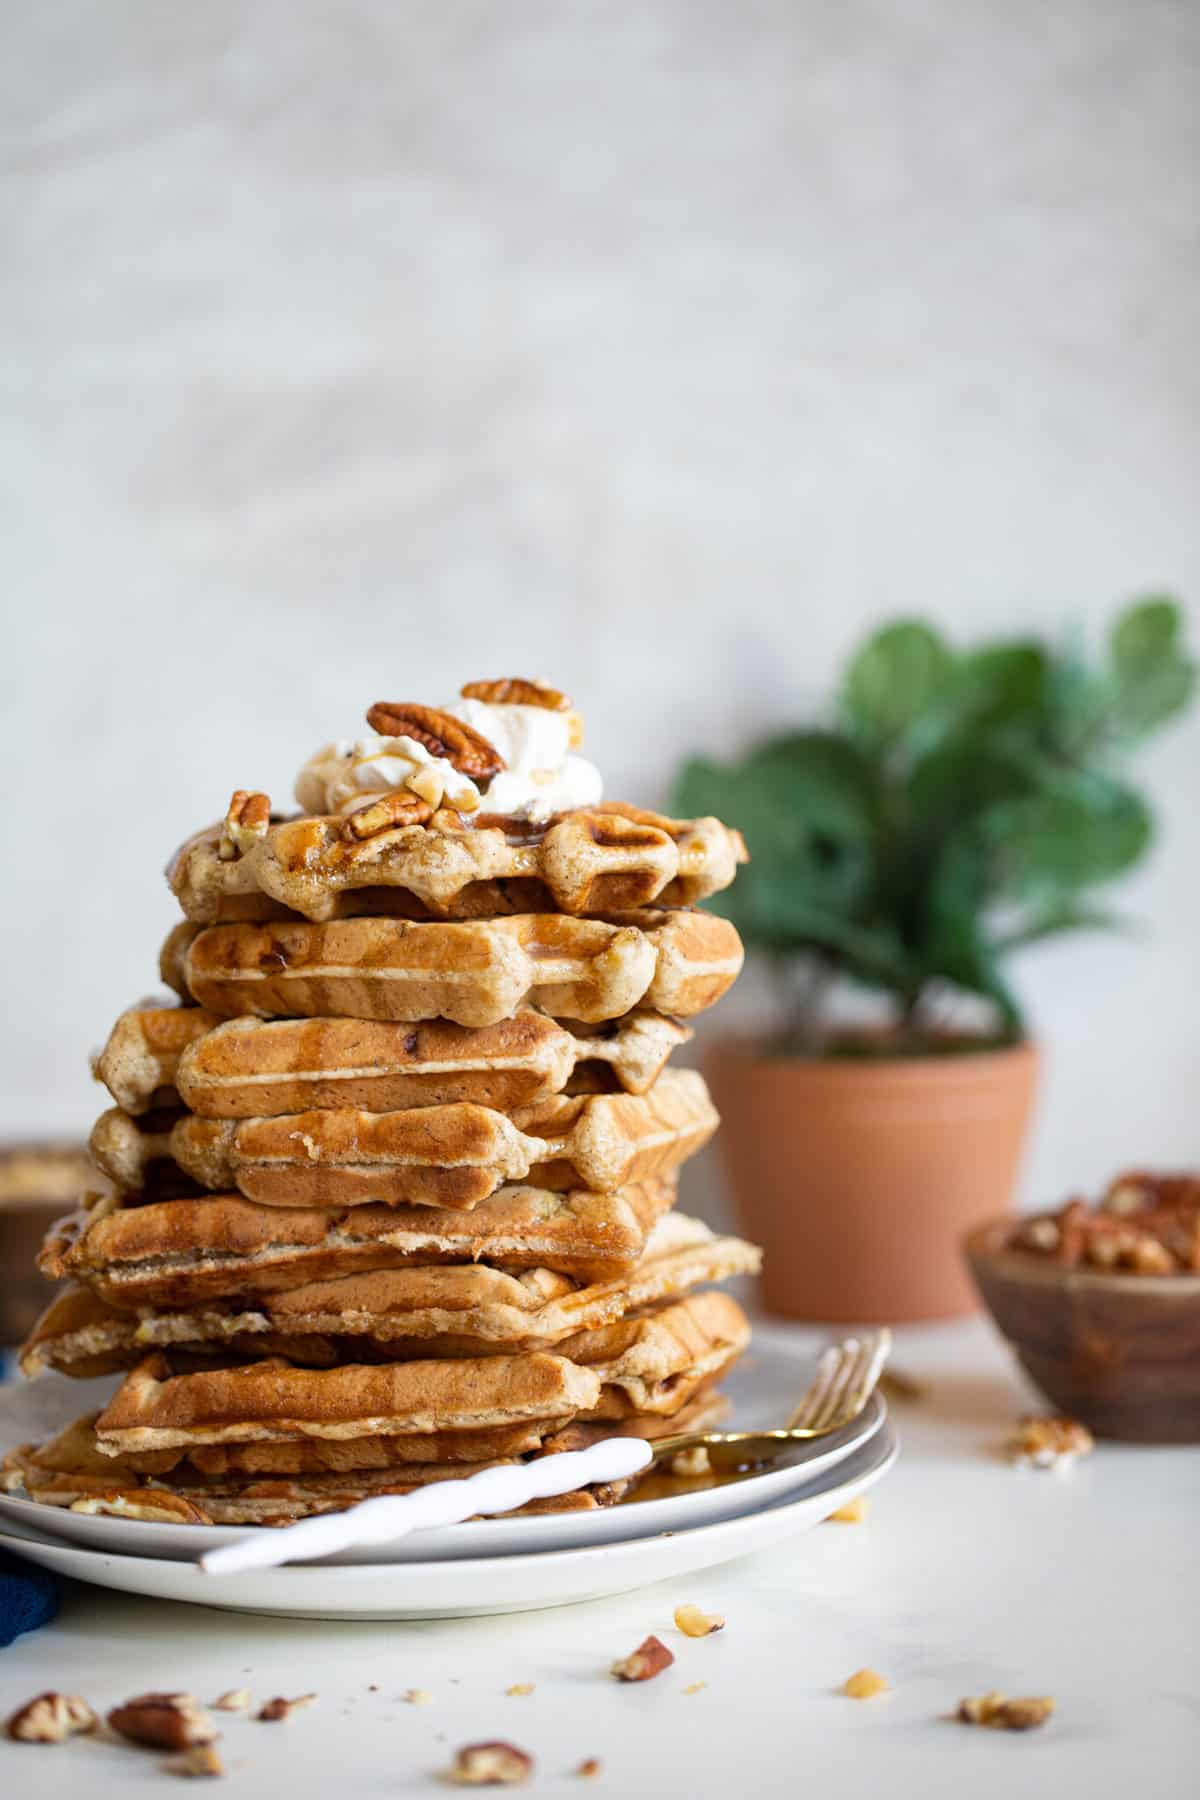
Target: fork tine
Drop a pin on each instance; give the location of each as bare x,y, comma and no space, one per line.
814,1394
846,1377
849,1360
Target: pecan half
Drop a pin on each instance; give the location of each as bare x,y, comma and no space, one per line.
491,1765
514,691
50,1719
1006,1715
163,1721
246,821
464,748
649,1659
386,814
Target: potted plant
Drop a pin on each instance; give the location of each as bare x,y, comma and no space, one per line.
957,806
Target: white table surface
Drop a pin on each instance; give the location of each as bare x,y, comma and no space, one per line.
968,1576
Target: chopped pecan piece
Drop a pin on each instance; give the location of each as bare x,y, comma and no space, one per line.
649,1659
279,1708
491,1765
1049,1442
694,1623
246,822
163,1721
589,1768
50,1719
233,1700
387,813
1006,1715
514,691
464,748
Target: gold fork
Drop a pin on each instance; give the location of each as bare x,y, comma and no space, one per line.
847,1375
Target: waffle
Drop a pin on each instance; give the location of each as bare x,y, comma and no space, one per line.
138,1063
173,1253
251,1068
450,1156
589,860
69,1471
447,1310
659,1360
155,1409
474,973
655,1363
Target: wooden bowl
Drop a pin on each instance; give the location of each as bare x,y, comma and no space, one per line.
38,1184
1120,1352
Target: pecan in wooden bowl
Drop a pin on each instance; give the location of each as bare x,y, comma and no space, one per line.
1102,1305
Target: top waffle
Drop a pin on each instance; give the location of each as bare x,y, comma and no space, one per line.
585,861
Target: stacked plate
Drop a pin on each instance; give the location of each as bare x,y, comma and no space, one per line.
493,1566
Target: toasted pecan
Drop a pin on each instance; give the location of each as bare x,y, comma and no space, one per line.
51,1719
163,1721
516,691
464,748
386,814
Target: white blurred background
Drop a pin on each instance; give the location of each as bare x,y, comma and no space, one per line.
353,349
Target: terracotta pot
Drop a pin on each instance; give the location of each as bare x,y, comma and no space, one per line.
859,1178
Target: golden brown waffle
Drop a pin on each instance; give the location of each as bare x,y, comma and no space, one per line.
445,1310
69,1471
138,1063
474,973
452,1156
659,1360
176,1252
154,1409
251,1068
590,860
654,1363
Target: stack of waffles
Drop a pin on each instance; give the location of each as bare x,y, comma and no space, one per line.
393,1177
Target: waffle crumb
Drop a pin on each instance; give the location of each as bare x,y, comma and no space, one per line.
853,1513
696,1624
589,1768
201,1759
519,1688
695,1686
417,1696
864,1684
692,1463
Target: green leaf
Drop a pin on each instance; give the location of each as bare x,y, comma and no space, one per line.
894,680
1145,632
1152,676
1067,916
1084,830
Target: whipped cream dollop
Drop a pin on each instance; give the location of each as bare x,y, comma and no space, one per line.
542,773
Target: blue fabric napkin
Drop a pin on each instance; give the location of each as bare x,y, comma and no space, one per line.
28,1597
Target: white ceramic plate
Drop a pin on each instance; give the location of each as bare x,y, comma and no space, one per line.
469,1586
764,1388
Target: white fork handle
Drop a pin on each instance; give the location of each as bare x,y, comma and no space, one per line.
393,1516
